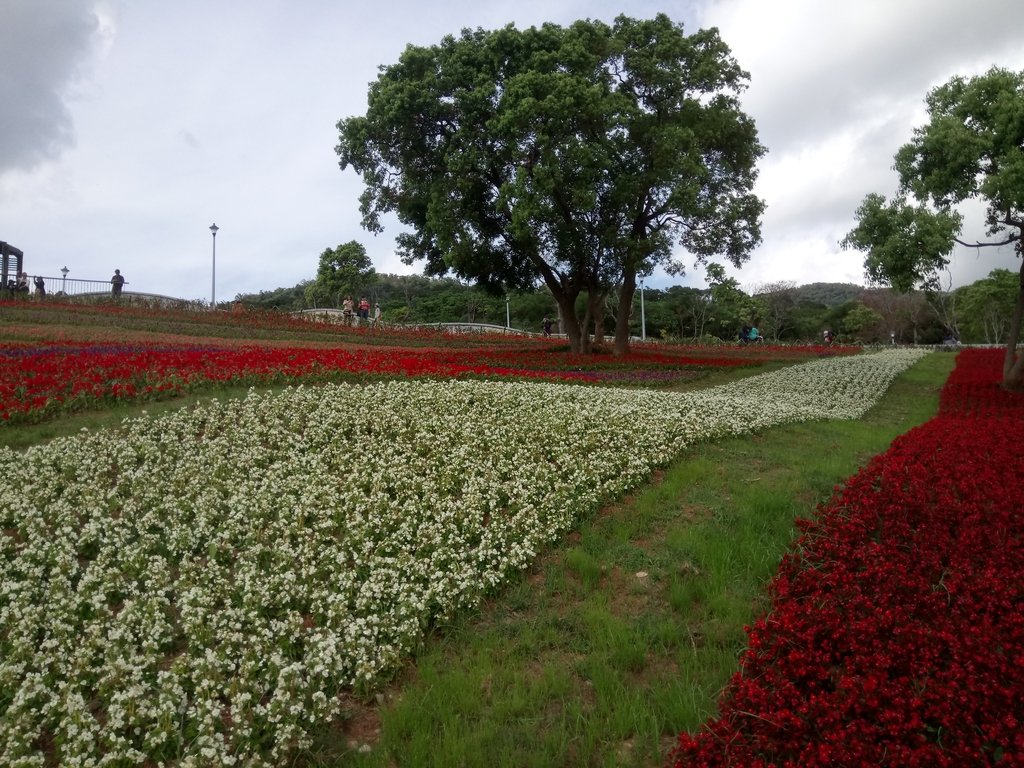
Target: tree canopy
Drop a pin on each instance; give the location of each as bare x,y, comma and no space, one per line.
576,157
344,270
971,148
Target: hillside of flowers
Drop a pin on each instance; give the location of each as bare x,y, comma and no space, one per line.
44,379
199,588
896,632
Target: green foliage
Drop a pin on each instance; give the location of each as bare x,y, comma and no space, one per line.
906,245
731,308
689,309
518,157
286,299
343,271
972,148
827,294
863,324
987,306
776,306
686,314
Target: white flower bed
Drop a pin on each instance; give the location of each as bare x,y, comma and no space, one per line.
196,589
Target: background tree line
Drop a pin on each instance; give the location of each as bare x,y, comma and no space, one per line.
782,311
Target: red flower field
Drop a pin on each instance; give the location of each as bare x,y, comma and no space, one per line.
896,633
41,379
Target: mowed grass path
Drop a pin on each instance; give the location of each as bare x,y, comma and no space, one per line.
625,633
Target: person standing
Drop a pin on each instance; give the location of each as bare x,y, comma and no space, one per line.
364,309
376,315
346,310
40,286
116,283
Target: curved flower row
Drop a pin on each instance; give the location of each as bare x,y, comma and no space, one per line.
198,588
896,634
40,380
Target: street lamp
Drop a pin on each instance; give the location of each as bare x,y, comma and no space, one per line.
64,280
643,318
508,317
213,281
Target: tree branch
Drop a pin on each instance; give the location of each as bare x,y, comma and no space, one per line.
1007,241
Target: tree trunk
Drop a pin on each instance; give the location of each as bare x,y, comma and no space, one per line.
595,309
570,323
1013,365
626,292
586,339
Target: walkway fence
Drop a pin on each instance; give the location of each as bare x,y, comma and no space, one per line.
332,315
97,291
70,286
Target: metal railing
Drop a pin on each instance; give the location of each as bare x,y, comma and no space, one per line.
68,286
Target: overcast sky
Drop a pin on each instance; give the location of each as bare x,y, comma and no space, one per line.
128,127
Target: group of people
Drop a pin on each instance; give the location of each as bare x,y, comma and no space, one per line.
750,335
20,284
355,313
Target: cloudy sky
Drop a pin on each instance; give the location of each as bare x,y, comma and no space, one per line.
128,127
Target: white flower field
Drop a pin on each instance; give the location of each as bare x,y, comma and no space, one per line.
198,588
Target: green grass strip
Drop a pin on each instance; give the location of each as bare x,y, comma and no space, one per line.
626,633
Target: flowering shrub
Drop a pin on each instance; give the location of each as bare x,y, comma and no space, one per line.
896,632
41,380
198,588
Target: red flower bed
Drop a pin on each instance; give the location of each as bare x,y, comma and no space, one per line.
38,380
896,634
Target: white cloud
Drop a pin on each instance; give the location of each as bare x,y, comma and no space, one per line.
46,49
146,122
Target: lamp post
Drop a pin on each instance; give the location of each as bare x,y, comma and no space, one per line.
213,280
508,317
643,317
64,280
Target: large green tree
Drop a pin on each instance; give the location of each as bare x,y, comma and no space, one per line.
971,148
577,157
345,270
731,307
987,306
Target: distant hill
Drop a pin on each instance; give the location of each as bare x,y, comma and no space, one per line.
828,294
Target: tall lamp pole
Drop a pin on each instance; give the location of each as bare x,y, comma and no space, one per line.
64,280
643,318
213,281
508,317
